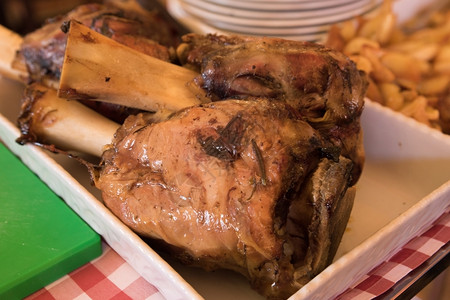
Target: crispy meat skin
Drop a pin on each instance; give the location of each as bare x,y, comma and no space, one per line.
216,183
323,85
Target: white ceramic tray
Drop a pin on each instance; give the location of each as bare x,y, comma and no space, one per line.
405,186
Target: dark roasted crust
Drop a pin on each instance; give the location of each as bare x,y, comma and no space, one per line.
322,85
117,113
25,119
443,106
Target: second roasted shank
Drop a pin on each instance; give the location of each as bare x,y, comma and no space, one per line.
148,32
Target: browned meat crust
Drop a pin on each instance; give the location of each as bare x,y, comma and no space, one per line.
321,84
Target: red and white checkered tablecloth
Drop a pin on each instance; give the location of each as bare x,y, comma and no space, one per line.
409,257
110,277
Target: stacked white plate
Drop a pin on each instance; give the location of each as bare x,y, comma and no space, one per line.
291,19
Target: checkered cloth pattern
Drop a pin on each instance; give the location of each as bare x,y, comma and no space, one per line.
107,277
409,257
110,277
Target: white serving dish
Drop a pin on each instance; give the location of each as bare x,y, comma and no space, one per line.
405,186
294,20
271,5
291,15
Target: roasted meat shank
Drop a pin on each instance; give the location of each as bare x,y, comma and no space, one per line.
261,179
40,54
243,185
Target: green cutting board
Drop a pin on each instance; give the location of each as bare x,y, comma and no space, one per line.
41,238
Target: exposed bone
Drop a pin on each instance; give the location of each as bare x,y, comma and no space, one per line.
67,124
98,68
9,43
